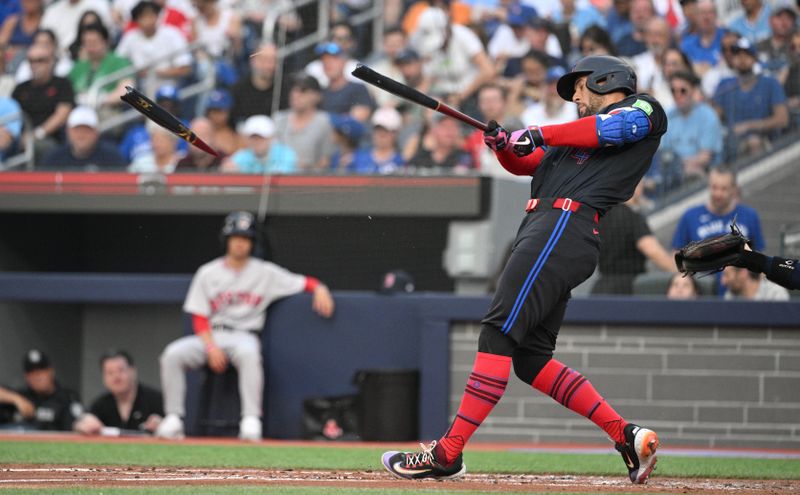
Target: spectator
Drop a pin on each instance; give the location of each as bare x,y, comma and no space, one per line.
383,157
228,300
704,47
491,16
17,31
552,109
304,128
650,76
263,154
626,244
63,16
441,148
493,105
455,58
527,88
127,405
395,42
83,151
753,106
88,18
43,404
538,38
164,153
46,99
693,141
618,20
10,126
714,217
682,288
753,22
410,64
178,14
218,111
255,94
578,16
724,68
218,28
197,160
343,37
98,61
47,39
346,138
596,41
342,96
508,40
792,84
633,43
689,8
741,283
136,141
774,52
149,42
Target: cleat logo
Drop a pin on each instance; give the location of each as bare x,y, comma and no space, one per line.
628,461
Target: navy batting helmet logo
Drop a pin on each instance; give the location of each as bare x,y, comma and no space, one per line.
605,74
239,223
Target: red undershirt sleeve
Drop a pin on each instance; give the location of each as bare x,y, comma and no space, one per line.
525,165
200,324
581,133
311,284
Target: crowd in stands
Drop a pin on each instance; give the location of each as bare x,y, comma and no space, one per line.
735,77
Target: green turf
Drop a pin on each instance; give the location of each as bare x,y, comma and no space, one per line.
368,458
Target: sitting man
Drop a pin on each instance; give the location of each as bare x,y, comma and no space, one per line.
228,299
128,405
83,151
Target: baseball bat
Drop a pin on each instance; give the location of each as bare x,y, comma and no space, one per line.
162,117
378,80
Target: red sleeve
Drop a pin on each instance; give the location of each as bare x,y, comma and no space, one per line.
581,133
525,165
311,284
200,324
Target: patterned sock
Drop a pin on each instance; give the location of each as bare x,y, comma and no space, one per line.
485,387
573,390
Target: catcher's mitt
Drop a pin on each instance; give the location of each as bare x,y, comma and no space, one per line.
713,254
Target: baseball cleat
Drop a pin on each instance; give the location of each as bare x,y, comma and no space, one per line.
639,452
250,429
419,465
171,427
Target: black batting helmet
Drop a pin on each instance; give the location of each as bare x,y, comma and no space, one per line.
606,74
239,223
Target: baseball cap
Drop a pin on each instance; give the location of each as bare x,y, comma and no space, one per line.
219,99
329,48
35,360
537,22
782,8
347,126
554,73
259,125
388,118
82,115
167,92
515,19
406,56
304,81
397,281
744,45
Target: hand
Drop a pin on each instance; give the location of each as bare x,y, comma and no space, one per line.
322,301
522,142
25,407
217,360
88,424
742,128
152,423
495,137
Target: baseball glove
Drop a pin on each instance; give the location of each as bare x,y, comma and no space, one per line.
713,254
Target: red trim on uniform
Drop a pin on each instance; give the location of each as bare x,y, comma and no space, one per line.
200,324
581,133
525,165
311,284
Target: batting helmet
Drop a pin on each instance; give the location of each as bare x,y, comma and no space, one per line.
606,74
239,223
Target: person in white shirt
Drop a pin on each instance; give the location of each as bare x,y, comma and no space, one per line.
62,18
744,284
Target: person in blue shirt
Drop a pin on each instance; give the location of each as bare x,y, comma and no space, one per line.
348,155
263,155
704,47
753,22
10,126
382,157
753,106
715,217
83,151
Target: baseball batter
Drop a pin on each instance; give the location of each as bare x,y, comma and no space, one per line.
580,170
228,299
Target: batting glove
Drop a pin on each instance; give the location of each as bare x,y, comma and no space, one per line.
522,142
495,136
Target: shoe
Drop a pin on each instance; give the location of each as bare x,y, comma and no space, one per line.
250,429
418,465
639,452
171,427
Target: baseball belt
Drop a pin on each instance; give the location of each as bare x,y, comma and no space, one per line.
565,204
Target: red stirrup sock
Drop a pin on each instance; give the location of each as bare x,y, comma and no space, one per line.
574,391
485,387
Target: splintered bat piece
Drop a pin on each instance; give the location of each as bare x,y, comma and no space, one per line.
162,117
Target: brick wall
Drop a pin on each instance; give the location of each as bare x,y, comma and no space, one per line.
707,386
